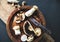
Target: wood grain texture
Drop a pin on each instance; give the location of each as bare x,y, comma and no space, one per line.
5,10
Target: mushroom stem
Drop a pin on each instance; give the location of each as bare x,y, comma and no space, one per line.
31,11
17,30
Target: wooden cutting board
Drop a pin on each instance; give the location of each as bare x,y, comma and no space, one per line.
5,10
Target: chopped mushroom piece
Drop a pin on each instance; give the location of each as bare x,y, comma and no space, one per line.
30,28
17,30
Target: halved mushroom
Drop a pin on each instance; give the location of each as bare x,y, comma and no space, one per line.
22,16
27,28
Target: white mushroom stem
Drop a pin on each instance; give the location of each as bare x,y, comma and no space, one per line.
31,11
17,30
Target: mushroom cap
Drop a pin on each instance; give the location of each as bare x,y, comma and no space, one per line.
36,7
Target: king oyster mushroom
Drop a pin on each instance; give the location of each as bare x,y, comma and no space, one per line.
17,30
31,11
37,31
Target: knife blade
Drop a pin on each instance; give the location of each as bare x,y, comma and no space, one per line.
36,23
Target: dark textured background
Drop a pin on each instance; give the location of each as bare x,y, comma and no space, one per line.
51,12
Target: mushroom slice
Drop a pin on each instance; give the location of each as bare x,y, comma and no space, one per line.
16,19
37,31
30,38
17,30
30,28
19,18
22,16
27,28
23,38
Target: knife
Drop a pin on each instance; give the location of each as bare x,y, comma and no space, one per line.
36,23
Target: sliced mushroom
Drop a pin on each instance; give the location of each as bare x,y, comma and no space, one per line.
24,38
19,18
17,30
37,31
30,28
30,38
16,19
27,28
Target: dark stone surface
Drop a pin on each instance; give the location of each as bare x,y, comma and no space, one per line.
51,12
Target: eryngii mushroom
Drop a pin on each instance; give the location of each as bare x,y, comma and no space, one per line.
31,11
30,38
14,1
17,30
37,31
24,38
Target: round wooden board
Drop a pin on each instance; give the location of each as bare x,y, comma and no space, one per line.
9,25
